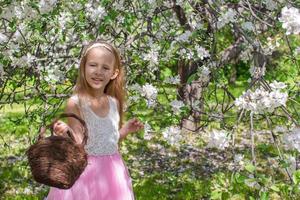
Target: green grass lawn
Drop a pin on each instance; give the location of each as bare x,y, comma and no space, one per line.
158,170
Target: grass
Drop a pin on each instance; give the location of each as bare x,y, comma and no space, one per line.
158,172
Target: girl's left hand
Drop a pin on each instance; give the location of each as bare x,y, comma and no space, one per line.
133,125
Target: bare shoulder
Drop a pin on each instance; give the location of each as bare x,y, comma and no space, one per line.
117,102
72,106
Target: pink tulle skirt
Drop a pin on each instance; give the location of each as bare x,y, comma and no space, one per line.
104,178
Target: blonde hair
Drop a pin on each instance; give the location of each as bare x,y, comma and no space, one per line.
115,87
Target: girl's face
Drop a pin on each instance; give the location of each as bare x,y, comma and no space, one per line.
99,68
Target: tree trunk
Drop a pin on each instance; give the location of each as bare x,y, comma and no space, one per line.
191,94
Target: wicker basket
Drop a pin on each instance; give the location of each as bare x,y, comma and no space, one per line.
58,161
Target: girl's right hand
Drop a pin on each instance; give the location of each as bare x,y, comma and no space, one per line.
60,128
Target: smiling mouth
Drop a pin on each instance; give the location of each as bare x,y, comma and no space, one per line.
97,79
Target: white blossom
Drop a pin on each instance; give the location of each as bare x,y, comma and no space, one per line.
186,54
271,5
203,73
27,191
176,106
135,87
201,52
8,12
281,129
118,5
246,54
271,45
152,57
184,36
180,2
147,130
277,85
46,5
95,13
290,18
28,59
194,22
63,19
248,26
218,139
172,135
261,101
133,98
150,92
238,159
226,17
54,74
173,80
3,38
292,139
291,160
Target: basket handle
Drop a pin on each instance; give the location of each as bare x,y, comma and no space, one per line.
69,132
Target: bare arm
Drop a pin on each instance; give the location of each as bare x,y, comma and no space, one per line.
132,125
72,124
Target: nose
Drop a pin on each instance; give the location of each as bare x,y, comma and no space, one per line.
98,71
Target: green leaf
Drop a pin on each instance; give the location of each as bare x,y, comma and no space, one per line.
275,188
264,196
239,178
191,78
296,177
216,194
250,168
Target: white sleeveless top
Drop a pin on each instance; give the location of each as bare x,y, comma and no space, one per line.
103,133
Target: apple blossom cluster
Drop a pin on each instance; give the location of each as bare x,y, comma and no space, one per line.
290,18
95,14
184,37
19,10
173,80
261,100
218,139
152,57
291,139
173,135
227,17
247,26
150,93
54,73
292,162
271,5
46,5
238,159
3,38
176,106
147,130
201,52
204,74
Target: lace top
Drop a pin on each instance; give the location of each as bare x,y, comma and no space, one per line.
103,133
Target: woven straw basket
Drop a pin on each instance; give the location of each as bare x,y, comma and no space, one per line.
58,161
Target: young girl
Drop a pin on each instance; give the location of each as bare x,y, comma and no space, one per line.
98,98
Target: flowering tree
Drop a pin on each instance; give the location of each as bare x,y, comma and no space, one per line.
187,62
